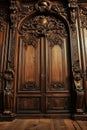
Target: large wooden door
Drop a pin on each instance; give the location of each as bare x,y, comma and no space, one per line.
43,66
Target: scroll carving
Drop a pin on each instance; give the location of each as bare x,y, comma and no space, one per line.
46,26
73,12
20,10
1,24
8,76
57,85
83,16
43,6
29,40
29,86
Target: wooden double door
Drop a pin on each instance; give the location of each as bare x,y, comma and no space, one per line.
43,76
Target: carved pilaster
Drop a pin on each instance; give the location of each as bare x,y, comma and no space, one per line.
83,31
76,67
83,16
8,76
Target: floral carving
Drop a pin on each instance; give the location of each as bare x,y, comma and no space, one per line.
73,11
29,40
9,75
46,26
29,86
43,5
57,85
83,16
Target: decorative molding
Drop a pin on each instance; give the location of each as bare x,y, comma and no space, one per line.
43,5
29,85
83,16
2,24
31,29
8,75
77,71
57,85
29,40
20,10
4,14
73,6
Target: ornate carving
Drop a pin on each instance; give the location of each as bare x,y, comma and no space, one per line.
43,5
20,10
2,25
4,14
57,85
43,26
83,16
55,40
73,12
29,40
29,85
8,75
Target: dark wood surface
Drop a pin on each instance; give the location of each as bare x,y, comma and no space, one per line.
43,124
43,58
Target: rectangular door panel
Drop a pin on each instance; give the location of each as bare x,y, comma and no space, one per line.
58,104
57,67
29,67
29,104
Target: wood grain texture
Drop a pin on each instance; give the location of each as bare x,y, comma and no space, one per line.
43,124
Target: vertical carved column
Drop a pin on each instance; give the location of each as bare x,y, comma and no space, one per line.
9,73
83,33
76,65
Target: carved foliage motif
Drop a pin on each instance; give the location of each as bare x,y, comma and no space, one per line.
29,86
83,16
73,12
19,10
1,24
57,85
39,26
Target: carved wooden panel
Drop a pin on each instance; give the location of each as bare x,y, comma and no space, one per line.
58,67
42,57
28,104
28,66
58,104
3,52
